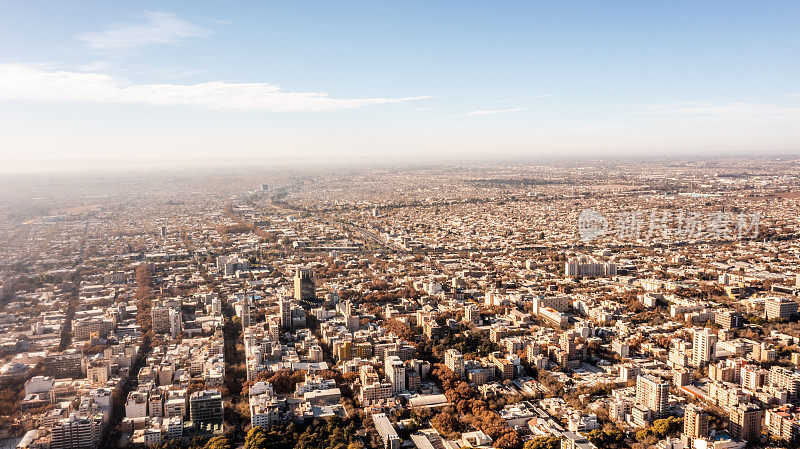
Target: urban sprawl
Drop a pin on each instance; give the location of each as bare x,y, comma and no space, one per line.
561,305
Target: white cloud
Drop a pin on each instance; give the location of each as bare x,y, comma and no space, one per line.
487,112
31,83
97,66
493,112
157,28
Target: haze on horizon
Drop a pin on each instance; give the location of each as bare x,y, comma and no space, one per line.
99,84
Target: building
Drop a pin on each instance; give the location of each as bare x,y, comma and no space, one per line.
588,266
82,330
553,316
729,319
753,377
264,410
97,374
745,422
695,424
229,265
785,379
703,347
167,317
395,373
783,423
304,290
681,377
652,394
574,440
175,405
779,308
375,392
205,407
432,330
621,348
285,307
136,405
454,360
471,313
386,431
504,369
67,364
558,303
77,432
629,372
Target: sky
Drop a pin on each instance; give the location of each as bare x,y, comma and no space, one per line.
190,81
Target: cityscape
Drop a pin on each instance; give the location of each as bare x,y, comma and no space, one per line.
399,225
430,306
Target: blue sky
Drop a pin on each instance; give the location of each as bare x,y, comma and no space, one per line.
396,80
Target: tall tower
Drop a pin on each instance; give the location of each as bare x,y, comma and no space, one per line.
395,373
454,360
304,289
285,306
652,393
703,344
695,423
246,317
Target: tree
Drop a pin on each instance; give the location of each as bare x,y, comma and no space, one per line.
606,438
667,426
509,440
543,443
218,442
445,423
256,438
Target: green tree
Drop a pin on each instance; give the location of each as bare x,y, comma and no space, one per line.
543,443
256,438
218,442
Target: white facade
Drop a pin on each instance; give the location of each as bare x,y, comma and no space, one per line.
395,373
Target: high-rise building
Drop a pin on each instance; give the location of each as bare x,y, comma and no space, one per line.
395,373
471,313
64,364
83,329
76,432
785,379
695,423
304,290
703,346
244,309
729,319
753,377
285,307
454,360
588,266
166,317
205,407
568,345
745,422
652,393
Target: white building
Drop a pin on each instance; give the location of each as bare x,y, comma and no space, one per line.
454,360
703,347
395,373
